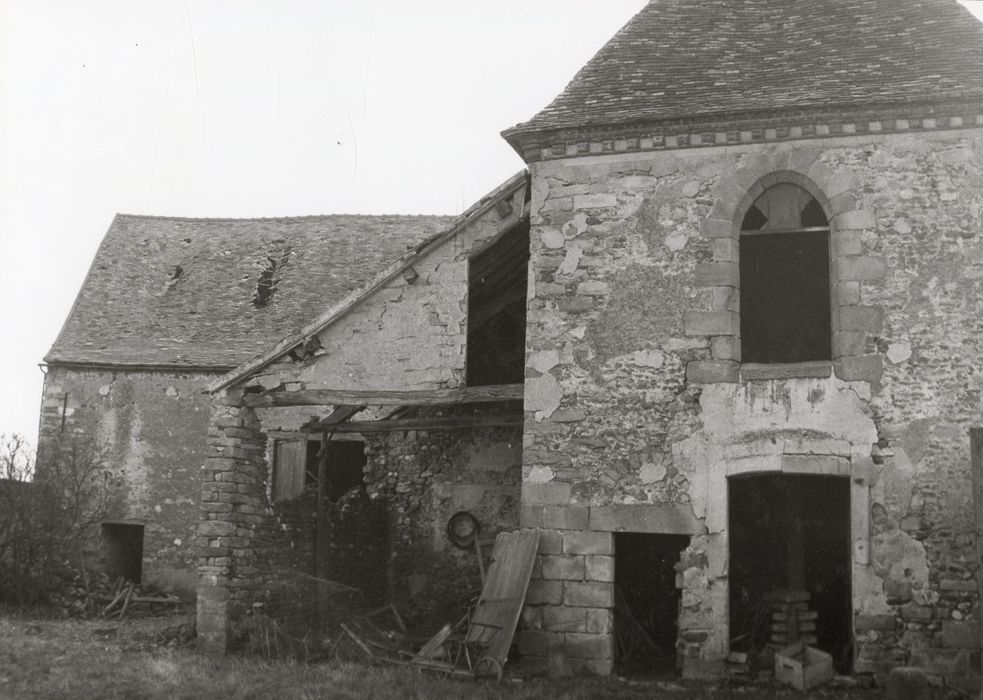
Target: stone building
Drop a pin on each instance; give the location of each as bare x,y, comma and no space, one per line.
752,352
720,342
169,305
753,328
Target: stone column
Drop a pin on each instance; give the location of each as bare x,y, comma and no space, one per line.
570,603
233,493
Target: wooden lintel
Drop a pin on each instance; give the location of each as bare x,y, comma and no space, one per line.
433,423
421,397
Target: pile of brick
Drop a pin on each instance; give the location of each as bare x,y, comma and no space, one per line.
791,619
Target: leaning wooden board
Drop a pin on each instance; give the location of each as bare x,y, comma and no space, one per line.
504,591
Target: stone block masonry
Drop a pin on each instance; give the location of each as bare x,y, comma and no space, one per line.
570,604
233,500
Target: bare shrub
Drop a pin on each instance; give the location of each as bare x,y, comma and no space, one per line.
48,509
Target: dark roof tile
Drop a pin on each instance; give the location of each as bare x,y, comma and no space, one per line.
180,292
684,58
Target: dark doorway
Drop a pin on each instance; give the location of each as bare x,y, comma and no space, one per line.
122,546
646,601
790,557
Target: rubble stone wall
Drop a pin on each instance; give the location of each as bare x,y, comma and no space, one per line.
153,426
424,478
636,397
390,544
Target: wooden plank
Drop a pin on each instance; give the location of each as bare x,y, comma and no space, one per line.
976,461
434,423
354,397
504,592
339,415
289,457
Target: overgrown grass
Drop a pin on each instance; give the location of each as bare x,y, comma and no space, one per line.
100,659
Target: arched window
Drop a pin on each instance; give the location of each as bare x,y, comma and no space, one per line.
784,268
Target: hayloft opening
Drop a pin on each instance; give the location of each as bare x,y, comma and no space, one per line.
122,549
646,601
497,280
295,467
784,273
790,564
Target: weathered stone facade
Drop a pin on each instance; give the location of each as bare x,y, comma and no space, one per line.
639,409
408,332
153,425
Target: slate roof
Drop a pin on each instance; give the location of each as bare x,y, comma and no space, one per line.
683,58
180,292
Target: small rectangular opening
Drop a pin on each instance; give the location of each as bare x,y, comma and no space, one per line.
295,467
122,546
646,605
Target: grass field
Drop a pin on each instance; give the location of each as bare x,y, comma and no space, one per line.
41,658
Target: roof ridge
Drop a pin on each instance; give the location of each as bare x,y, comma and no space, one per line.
302,217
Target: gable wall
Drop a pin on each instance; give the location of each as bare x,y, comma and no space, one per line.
153,426
637,408
411,334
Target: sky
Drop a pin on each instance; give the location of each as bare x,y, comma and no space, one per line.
242,108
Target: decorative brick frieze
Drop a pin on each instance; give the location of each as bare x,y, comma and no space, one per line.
746,129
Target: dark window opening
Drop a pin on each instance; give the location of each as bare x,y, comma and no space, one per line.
790,565
346,466
646,601
785,285
295,467
753,220
497,281
122,548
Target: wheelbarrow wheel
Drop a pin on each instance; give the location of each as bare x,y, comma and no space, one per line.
487,666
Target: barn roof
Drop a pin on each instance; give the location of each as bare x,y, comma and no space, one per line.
211,293
678,59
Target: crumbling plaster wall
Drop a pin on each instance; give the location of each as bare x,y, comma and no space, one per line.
153,426
638,407
410,334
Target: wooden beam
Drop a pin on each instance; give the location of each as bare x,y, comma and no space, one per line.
433,423
421,397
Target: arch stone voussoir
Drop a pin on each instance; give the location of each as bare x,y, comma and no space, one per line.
837,191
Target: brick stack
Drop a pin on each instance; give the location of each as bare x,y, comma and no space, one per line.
791,619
